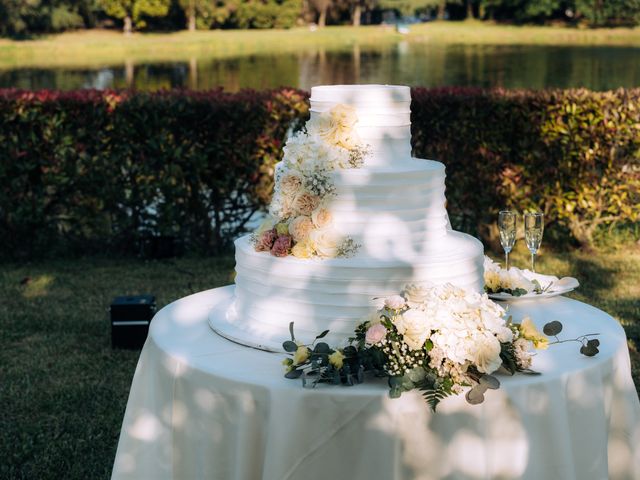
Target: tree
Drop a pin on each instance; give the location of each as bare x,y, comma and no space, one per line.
200,13
408,7
321,6
134,11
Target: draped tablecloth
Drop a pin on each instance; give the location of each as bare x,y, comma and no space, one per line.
203,407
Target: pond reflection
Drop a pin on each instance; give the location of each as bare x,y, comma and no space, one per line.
597,68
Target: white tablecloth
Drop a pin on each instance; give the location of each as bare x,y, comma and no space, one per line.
203,407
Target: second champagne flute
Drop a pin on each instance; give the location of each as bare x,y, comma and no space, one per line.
507,227
533,230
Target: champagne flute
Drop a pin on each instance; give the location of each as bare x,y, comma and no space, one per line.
533,229
507,227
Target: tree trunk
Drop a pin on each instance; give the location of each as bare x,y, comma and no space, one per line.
322,18
442,8
357,13
127,25
191,16
469,9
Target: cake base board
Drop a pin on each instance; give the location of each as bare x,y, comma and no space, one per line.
220,325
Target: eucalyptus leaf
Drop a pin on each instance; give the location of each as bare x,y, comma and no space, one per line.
321,348
395,382
350,351
322,335
416,374
552,329
293,338
475,395
489,381
293,374
589,350
395,393
290,346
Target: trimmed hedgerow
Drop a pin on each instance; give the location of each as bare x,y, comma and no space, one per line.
92,170
103,171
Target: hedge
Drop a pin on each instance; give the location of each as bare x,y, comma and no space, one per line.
106,171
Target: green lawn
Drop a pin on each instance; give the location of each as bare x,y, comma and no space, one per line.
95,48
63,390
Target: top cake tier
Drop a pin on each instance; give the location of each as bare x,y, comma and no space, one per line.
384,116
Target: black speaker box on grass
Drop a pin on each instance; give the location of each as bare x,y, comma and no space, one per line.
130,319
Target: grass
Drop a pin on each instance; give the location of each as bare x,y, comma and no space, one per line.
64,390
97,48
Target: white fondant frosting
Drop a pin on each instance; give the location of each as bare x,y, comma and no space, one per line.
394,207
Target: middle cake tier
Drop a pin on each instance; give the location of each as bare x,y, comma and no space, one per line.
390,212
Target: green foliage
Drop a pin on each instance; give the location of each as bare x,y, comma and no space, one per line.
407,7
267,14
574,154
137,10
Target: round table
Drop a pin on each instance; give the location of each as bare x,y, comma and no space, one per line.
201,406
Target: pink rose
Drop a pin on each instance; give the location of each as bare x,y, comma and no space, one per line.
266,241
281,246
375,334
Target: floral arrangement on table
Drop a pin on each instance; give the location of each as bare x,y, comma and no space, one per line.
512,281
299,221
441,340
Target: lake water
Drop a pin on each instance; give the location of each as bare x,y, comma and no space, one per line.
597,68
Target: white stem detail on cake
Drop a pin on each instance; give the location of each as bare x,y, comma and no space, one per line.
300,222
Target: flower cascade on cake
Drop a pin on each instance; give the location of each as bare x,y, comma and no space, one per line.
441,340
299,221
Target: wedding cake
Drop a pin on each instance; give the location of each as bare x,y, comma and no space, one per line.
354,218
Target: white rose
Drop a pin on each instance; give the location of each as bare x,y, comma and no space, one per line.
325,242
321,217
486,356
413,327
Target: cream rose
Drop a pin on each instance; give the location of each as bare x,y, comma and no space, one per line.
325,242
305,203
291,183
321,217
337,126
413,327
487,354
416,294
302,249
300,228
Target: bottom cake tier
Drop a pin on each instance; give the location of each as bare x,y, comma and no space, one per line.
334,294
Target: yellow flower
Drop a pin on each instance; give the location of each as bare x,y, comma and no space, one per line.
288,363
528,331
302,249
492,280
301,355
336,359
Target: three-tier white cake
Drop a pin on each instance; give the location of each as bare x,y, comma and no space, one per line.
392,207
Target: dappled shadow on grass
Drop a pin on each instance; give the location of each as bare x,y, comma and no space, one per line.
63,389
